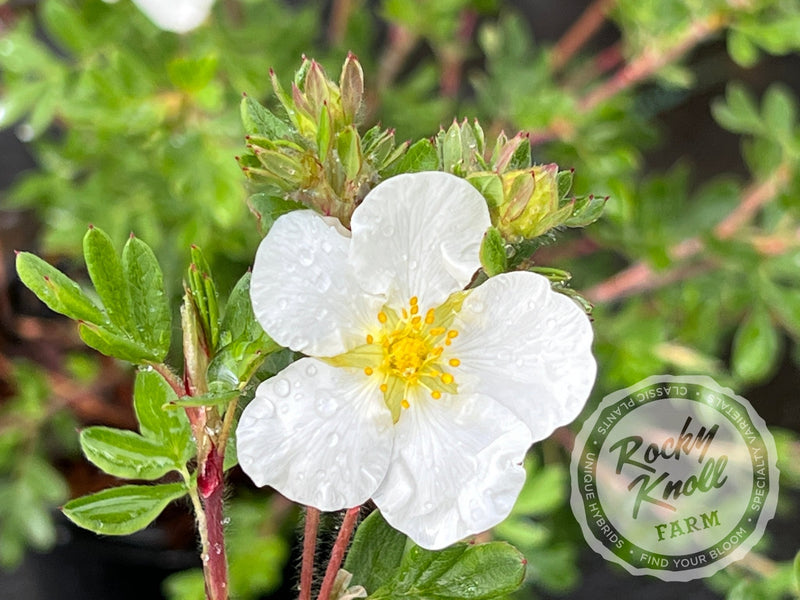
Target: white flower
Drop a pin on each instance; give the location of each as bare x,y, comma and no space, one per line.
178,16
419,395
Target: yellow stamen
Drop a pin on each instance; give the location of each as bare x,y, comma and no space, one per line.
437,331
368,371
454,362
384,388
382,317
416,320
414,309
436,394
452,334
447,342
413,301
430,316
405,403
405,313
447,379
370,339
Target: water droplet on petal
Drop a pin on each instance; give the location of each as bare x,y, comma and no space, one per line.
477,306
333,439
282,388
326,247
388,231
306,258
325,405
263,409
283,304
412,264
311,370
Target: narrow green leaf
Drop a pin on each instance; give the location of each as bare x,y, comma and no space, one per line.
126,454
115,345
56,290
521,159
564,182
348,147
779,111
151,393
743,52
122,510
205,298
105,270
63,23
739,112
324,133
493,253
192,74
451,149
149,300
376,552
467,572
756,347
259,120
588,212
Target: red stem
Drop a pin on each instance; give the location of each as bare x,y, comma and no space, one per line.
337,554
581,31
309,548
215,563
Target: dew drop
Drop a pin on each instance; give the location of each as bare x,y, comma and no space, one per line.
326,247
388,231
551,323
306,258
477,306
282,388
333,439
428,506
283,304
412,264
217,548
311,370
263,409
325,406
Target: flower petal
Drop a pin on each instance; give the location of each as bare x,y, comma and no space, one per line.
178,16
455,468
318,434
418,234
304,292
527,347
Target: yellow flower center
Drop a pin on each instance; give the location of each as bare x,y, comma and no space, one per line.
404,350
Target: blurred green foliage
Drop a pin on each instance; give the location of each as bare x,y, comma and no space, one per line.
135,129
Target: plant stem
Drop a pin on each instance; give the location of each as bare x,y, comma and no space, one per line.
652,61
580,32
215,562
337,554
309,548
640,276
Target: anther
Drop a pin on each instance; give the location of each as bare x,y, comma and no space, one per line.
370,339
413,301
405,313
447,378
414,309
382,317
415,320
454,362
368,371
384,388
437,331
430,316
404,403
452,334
436,394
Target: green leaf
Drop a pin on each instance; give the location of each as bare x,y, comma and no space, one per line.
739,112
239,322
63,23
589,211
796,573
756,347
376,552
149,301
521,159
192,74
105,270
348,147
467,572
493,253
421,156
205,298
126,454
743,52
779,111
115,345
259,120
56,290
209,399
122,510
564,182
170,428
490,185
268,207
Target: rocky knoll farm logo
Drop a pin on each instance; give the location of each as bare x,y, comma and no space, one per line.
674,477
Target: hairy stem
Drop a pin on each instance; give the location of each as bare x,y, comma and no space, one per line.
309,548
337,554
